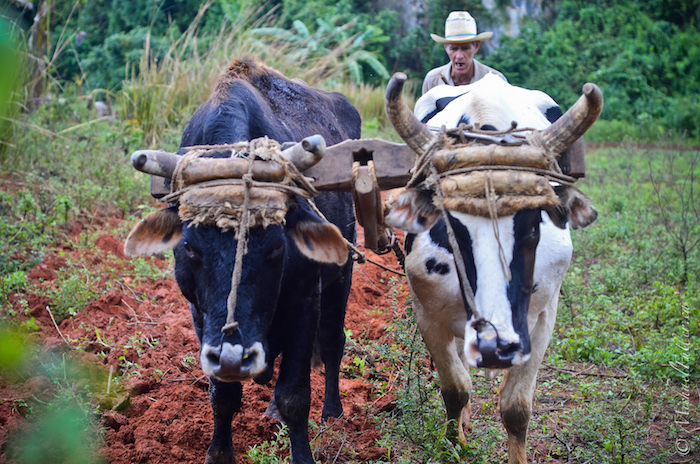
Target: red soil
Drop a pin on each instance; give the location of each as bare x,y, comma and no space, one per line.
142,329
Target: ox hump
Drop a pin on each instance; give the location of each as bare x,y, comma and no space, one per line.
247,69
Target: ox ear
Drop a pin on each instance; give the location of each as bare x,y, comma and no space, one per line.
574,207
413,211
320,241
158,232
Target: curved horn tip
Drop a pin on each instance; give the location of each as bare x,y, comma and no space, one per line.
395,86
399,76
589,89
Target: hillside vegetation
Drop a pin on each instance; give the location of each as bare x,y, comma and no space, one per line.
644,55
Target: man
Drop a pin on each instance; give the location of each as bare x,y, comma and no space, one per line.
461,44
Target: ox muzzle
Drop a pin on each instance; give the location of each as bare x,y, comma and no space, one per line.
230,362
486,348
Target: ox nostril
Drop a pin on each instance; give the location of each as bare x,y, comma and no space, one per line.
213,358
495,352
508,350
230,362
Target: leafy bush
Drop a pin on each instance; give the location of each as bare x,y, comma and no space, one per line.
646,67
107,36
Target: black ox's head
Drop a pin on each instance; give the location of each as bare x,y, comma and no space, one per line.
499,253
279,271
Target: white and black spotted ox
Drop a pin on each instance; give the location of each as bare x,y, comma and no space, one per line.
533,244
296,274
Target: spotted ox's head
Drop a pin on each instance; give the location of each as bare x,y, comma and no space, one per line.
498,253
204,263
499,259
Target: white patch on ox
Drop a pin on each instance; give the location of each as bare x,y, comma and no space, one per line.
552,260
491,296
446,285
439,292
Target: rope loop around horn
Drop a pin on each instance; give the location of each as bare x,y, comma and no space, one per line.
519,174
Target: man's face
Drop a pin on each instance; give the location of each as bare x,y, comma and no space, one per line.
462,56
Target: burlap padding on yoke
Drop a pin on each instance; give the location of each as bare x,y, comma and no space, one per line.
456,157
514,191
506,182
222,206
506,205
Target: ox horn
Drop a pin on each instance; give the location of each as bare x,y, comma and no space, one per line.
572,125
161,163
410,129
155,162
306,153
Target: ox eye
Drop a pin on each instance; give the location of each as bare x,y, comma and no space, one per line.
188,249
535,232
277,250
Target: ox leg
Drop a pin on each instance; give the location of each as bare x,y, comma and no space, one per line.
293,388
331,338
225,399
455,385
518,388
447,350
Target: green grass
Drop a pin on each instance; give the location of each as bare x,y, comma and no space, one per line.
62,419
631,295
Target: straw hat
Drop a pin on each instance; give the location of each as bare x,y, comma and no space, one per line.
460,27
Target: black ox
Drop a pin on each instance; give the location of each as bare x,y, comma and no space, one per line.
287,299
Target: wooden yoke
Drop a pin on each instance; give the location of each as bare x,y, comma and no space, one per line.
365,167
376,164
369,208
572,161
392,164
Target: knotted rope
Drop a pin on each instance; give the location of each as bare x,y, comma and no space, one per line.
241,251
